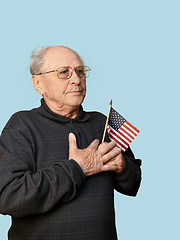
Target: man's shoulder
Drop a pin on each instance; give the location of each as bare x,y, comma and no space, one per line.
20,118
96,115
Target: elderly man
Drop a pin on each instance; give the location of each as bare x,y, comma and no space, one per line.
56,178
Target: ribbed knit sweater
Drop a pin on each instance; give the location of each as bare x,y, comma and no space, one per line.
47,195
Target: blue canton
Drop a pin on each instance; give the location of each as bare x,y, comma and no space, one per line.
115,120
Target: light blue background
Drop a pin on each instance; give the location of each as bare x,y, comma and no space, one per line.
133,48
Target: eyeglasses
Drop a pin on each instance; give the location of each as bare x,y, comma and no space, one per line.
66,72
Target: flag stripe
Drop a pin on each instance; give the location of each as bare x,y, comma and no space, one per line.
119,140
114,133
118,143
121,134
123,131
133,128
122,148
128,130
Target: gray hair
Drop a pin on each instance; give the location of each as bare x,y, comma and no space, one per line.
37,59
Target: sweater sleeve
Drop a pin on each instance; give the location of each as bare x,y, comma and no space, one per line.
25,190
128,181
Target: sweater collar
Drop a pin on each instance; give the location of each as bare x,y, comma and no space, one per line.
48,113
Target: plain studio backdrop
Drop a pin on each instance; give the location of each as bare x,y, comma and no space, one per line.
133,49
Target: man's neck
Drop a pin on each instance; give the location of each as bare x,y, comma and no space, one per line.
66,111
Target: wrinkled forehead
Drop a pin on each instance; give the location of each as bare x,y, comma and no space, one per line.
61,56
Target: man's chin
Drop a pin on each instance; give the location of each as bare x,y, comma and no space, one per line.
77,100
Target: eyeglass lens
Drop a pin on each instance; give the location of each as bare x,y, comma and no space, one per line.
66,72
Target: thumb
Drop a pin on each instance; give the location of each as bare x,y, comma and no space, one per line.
72,142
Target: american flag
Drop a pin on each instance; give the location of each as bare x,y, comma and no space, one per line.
120,130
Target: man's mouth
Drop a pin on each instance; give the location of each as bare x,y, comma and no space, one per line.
75,91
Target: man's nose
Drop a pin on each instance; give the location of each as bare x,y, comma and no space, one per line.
75,78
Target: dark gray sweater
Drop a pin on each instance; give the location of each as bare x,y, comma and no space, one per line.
46,194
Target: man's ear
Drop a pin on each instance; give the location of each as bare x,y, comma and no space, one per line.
37,84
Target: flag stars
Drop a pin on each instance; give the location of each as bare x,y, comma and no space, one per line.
115,119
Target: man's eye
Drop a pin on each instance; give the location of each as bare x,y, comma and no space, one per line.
80,70
63,71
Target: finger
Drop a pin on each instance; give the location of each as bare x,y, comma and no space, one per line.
72,142
117,161
112,154
119,158
94,145
109,168
106,147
